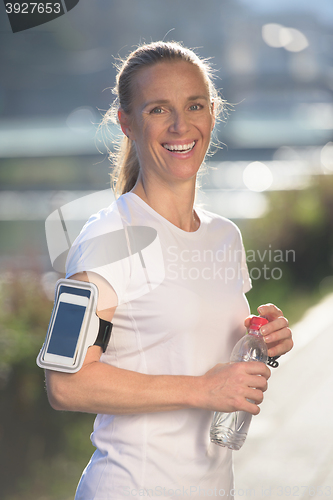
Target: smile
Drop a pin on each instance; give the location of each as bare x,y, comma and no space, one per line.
180,148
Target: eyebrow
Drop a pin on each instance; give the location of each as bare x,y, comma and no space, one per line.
166,101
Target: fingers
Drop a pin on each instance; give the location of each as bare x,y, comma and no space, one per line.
276,332
277,335
254,394
234,386
256,368
276,325
273,314
250,385
280,347
252,408
270,311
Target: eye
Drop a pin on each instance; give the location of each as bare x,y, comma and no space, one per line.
195,107
156,111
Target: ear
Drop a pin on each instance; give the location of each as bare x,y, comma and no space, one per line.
125,123
213,115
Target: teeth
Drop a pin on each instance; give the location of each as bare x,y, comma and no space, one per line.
179,147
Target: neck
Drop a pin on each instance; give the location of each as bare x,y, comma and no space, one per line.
174,203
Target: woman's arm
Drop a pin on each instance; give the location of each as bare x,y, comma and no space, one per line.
101,388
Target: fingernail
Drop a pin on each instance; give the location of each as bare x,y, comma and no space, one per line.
263,330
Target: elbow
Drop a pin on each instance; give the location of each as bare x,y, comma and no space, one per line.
55,402
58,391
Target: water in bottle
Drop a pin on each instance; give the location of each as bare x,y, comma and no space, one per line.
230,429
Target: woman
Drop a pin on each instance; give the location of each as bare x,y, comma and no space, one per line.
178,306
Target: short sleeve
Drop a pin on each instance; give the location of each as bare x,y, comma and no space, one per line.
102,248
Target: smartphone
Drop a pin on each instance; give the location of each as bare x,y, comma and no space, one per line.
67,327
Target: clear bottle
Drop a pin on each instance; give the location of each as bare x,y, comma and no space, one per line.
230,429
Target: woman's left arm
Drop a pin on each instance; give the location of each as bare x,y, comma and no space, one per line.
276,333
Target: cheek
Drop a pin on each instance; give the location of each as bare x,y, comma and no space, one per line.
151,133
207,129
147,142
206,124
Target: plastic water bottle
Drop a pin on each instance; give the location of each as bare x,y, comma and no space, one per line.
230,429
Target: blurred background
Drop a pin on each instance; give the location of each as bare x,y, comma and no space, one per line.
272,175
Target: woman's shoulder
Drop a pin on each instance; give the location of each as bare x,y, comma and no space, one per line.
105,220
101,242
216,221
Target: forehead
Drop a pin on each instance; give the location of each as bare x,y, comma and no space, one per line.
169,80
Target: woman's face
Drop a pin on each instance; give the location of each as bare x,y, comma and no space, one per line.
171,120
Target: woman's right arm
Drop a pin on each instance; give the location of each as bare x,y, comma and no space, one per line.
102,388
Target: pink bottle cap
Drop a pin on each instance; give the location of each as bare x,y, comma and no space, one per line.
257,321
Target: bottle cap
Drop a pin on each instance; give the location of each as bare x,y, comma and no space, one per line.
257,321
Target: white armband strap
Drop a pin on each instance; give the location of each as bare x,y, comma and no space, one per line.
74,326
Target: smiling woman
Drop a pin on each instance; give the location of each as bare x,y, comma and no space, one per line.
170,124
177,304
138,70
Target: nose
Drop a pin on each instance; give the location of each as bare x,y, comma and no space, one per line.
179,122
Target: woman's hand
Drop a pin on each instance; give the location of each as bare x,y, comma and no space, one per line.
234,387
276,333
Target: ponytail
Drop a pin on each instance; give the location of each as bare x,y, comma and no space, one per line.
123,157
126,167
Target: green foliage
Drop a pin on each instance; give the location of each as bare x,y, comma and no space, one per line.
299,229
43,451
55,173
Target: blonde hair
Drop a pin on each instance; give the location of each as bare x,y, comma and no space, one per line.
124,158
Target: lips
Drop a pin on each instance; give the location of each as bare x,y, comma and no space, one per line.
179,148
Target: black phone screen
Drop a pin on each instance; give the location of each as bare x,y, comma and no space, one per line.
66,329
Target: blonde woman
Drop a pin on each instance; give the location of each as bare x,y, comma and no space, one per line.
166,368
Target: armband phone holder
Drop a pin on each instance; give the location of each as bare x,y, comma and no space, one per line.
74,326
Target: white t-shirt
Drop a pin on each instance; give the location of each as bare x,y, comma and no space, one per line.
181,308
